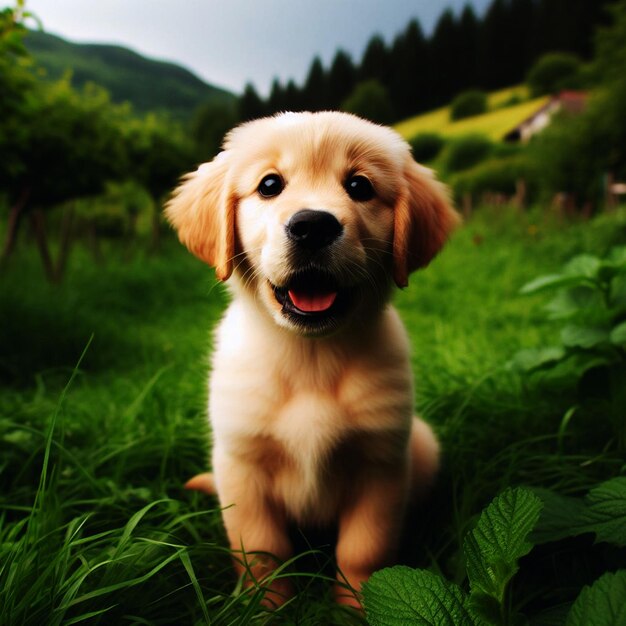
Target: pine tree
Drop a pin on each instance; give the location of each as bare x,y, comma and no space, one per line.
341,78
315,92
409,83
375,63
250,104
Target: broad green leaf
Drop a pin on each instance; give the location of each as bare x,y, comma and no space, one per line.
602,604
494,547
618,334
606,511
550,281
617,256
584,336
575,301
400,595
557,516
603,512
554,616
618,292
534,358
583,265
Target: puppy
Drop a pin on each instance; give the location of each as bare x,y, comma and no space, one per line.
312,218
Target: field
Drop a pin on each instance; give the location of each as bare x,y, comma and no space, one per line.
494,124
102,395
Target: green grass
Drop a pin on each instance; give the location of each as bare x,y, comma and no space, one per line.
494,124
94,524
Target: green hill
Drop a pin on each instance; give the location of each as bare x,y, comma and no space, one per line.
495,123
148,84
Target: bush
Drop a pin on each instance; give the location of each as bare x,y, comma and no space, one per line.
467,104
495,175
426,146
553,72
370,100
465,152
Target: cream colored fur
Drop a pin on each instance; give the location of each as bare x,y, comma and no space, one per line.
309,427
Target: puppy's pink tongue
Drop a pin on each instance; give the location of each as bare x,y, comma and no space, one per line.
312,302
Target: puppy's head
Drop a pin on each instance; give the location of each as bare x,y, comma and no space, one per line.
315,215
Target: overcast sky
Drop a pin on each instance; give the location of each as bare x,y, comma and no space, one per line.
231,42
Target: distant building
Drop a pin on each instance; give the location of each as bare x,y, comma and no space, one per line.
572,102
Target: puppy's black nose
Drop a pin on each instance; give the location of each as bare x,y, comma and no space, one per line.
313,229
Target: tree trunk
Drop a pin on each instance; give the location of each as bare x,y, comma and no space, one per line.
94,243
65,242
155,244
13,225
38,223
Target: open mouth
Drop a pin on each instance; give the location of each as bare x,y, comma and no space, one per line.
312,298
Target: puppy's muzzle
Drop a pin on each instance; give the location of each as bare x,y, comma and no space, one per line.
313,230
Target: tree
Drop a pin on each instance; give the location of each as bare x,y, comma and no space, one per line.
341,78
409,83
467,104
371,101
444,54
316,93
375,63
553,72
467,39
575,154
250,104
210,123
159,152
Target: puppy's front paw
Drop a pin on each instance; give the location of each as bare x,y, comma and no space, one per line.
202,482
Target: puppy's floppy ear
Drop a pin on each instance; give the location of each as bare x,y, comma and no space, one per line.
423,219
202,210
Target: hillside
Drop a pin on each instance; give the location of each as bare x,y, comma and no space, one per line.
149,84
495,123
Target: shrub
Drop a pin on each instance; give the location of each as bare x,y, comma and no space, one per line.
495,175
465,152
553,72
589,300
507,530
467,104
370,100
426,146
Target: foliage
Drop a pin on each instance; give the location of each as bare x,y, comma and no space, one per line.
554,72
210,123
465,152
574,155
371,101
497,175
159,152
464,51
468,104
74,144
590,301
493,549
426,146
148,84
132,428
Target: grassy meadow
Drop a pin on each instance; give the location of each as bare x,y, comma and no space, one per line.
506,109
102,419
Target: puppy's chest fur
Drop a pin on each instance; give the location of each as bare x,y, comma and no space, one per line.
310,412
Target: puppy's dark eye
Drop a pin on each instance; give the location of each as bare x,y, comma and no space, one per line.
270,186
359,188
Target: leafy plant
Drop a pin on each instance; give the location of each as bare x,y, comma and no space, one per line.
465,152
426,146
590,301
552,72
506,531
468,104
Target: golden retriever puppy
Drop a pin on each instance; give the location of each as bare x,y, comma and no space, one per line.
312,218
